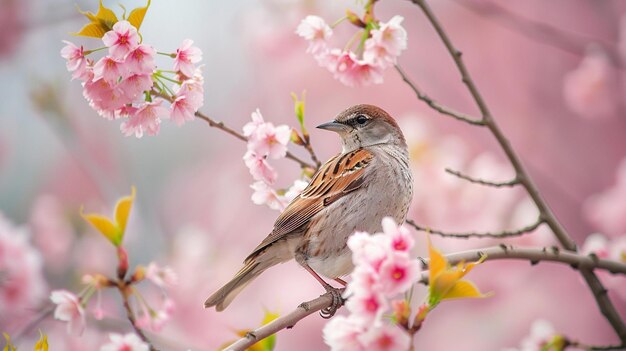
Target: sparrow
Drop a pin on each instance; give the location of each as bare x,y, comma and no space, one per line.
353,191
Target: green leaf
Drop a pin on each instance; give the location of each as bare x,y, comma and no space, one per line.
298,105
269,343
136,16
100,22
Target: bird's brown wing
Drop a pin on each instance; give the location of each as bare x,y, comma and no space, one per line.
339,176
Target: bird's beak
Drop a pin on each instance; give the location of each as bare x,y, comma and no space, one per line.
334,126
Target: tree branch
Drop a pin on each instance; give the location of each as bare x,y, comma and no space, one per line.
131,318
503,234
470,179
604,303
534,256
285,322
437,106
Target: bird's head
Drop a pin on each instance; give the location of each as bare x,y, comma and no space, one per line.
363,126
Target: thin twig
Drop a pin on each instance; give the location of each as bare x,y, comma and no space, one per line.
502,234
220,125
285,322
534,256
131,318
602,299
307,145
435,105
483,182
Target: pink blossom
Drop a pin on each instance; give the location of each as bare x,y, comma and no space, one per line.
607,210
69,309
315,30
541,332
401,238
22,285
589,89
134,86
186,58
109,69
618,249
147,119
342,334
367,305
265,195
349,70
370,250
104,97
251,127
259,168
128,342
269,140
161,276
121,40
596,244
295,190
386,338
398,273
386,43
141,60
76,61
156,320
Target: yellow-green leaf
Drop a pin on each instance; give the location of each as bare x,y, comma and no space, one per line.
104,226
122,210
42,344
463,289
9,346
269,343
136,16
100,23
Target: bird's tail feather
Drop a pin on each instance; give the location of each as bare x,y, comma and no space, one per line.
225,295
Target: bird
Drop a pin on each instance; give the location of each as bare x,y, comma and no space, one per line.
353,191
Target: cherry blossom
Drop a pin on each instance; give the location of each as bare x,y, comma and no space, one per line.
69,309
147,119
109,69
134,86
398,274
369,250
161,276
269,140
186,58
295,189
265,195
141,60
401,238
259,168
121,40
367,305
128,342
257,120
76,61
315,30
386,338
386,43
342,334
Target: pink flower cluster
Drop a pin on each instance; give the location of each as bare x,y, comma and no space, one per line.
125,84
70,307
265,141
383,269
381,49
128,342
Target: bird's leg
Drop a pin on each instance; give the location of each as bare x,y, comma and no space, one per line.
334,292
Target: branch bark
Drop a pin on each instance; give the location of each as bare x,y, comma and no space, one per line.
604,303
285,322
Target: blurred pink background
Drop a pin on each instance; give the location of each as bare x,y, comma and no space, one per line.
559,98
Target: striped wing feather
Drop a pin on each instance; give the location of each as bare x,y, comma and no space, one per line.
339,176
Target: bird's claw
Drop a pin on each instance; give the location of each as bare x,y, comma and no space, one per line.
337,302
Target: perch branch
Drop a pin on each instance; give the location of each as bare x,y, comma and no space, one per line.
467,235
470,179
285,322
604,303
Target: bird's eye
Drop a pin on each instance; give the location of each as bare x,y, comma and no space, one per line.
361,119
